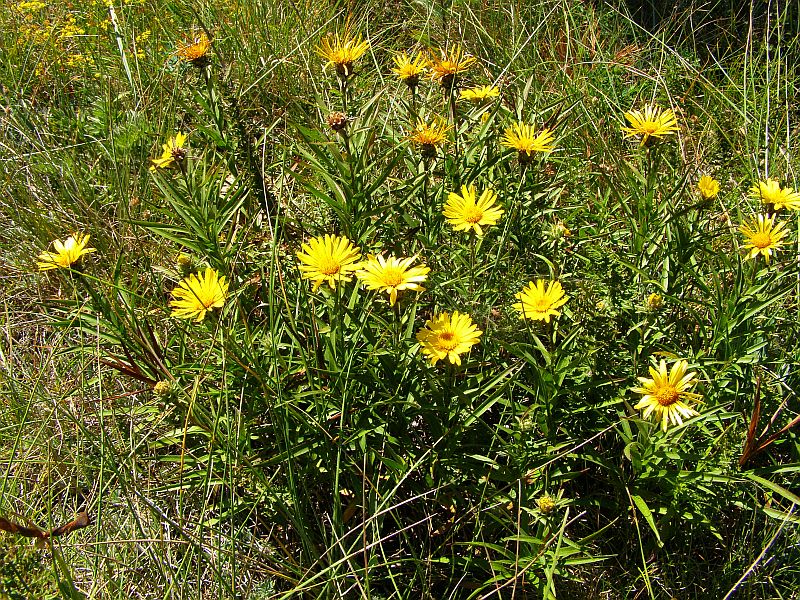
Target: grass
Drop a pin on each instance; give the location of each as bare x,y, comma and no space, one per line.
297,443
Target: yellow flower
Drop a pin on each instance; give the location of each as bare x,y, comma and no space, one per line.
174,152
430,135
480,93
444,337
546,503
763,236
770,192
195,52
708,187
392,275
665,394
409,69
198,294
650,122
329,258
66,254
465,213
449,65
655,301
523,139
342,52
539,304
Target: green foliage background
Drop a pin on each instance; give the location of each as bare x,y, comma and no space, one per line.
307,449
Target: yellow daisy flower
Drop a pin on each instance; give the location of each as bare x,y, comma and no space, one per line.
430,135
446,337
408,69
763,236
449,65
66,254
770,192
198,294
392,275
328,258
539,303
342,52
650,122
464,212
173,153
196,52
525,141
708,187
666,394
480,93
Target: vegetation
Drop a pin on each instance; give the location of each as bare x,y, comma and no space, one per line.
430,299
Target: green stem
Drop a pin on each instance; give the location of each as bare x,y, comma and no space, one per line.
454,121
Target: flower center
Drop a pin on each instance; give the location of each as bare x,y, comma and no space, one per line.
392,277
666,395
473,214
649,127
542,305
761,240
447,340
329,267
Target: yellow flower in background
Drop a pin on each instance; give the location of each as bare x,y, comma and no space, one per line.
392,275
769,191
464,212
480,93
449,65
708,187
198,294
539,303
446,337
524,139
763,236
66,254
430,135
408,69
196,51
342,51
666,395
328,258
650,122
173,153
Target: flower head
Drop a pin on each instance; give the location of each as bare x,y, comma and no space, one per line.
66,254
480,93
539,303
430,135
342,52
546,503
408,69
338,121
328,258
522,138
446,337
666,394
708,187
763,235
164,389
655,301
650,122
198,294
464,212
173,153
770,192
449,65
195,52
392,275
